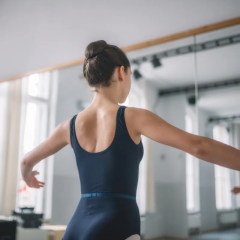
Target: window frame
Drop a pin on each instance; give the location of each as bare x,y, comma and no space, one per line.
45,166
190,112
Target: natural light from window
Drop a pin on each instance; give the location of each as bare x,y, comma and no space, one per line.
222,174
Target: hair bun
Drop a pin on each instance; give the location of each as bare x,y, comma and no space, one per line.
94,48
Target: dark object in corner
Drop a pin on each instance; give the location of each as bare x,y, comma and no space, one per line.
30,219
8,229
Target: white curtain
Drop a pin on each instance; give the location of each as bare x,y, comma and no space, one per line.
9,148
4,90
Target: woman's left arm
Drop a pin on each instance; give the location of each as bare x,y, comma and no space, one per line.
59,138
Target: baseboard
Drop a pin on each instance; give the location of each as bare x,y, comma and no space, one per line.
158,238
166,237
218,229
177,238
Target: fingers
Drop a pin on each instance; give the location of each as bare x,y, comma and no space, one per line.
235,190
35,172
40,184
37,184
34,183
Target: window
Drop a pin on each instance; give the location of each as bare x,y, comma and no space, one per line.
192,170
222,174
234,134
38,111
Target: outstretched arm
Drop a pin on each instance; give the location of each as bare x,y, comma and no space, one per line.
154,127
59,138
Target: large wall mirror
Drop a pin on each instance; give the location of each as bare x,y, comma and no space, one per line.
218,78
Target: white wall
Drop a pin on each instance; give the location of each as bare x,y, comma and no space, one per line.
154,220
170,170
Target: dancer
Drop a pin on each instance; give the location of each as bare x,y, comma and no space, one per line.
106,140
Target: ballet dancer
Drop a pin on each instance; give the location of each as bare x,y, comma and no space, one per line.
106,140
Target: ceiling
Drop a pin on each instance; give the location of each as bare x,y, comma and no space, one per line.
216,64
221,102
39,34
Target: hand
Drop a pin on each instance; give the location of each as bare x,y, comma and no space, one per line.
33,182
235,190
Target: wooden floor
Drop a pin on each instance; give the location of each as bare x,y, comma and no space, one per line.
230,234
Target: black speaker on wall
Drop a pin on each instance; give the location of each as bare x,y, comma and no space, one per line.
192,100
8,229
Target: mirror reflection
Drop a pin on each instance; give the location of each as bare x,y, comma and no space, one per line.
218,104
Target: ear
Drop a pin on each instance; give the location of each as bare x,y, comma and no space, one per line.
121,72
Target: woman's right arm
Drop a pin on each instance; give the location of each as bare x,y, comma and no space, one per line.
154,127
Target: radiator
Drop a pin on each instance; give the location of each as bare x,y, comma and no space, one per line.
194,220
227,217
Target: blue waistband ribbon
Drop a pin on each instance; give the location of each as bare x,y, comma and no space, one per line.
108,195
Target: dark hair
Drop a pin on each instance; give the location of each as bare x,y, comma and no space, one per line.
100,61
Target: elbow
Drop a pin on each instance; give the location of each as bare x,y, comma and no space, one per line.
201,148
25,162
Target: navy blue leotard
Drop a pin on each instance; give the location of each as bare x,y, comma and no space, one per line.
107,209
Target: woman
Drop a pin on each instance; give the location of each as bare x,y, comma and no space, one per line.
106,139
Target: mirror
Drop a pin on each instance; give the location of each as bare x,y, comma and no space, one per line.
218,58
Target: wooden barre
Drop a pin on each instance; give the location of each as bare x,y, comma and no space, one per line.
172,37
